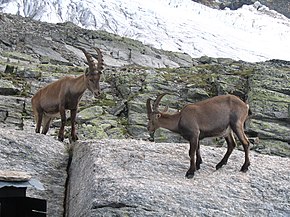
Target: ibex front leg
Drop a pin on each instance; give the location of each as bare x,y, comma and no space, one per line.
74,136
192,151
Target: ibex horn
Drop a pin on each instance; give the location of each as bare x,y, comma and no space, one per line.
100,66
149,108
157,101
91,62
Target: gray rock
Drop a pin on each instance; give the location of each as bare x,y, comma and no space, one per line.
88,131
89,113
281,6
138,178
129,79
7,88
12,111
44,158
269,99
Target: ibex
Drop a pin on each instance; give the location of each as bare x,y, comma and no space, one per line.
213,117
65,94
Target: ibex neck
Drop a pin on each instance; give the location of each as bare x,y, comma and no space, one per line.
170,121
79,85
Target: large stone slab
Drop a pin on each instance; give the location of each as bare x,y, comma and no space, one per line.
139,178
43,158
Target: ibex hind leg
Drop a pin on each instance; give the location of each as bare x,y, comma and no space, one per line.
239,131
63,122
46,124
38,120
231,144
198,157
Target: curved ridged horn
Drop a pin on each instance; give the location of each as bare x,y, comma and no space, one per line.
157,101
91,62
149,108
100,66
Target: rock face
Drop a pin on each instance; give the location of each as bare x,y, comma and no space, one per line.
281,6
126,84
138,178
42,157
132,177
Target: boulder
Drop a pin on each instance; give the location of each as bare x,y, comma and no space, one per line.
269,101
12,111
43,158
138,178
7,88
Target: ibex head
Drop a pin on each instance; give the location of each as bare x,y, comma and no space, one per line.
93,73
154,114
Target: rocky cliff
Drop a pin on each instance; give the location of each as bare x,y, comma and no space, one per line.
140,178
281,6
34,54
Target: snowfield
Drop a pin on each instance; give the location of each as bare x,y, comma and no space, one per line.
251,33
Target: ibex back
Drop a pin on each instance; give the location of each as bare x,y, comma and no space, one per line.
217,116
65,94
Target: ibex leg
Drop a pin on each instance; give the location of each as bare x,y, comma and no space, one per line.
38,118
192,151
63,122
198,157
231,145
246,145
73,125
46,124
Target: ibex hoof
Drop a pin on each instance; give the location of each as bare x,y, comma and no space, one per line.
220,164
189,174
60,139
74,138
245,168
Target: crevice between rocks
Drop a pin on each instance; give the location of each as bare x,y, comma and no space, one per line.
67,189
117,205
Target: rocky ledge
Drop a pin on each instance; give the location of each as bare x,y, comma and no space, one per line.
138,178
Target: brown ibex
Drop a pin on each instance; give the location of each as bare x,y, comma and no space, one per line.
217,116
65,94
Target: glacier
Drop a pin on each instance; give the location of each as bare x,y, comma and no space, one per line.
252,33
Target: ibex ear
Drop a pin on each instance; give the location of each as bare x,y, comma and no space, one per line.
158,115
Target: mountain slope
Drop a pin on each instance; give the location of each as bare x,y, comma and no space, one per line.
252,33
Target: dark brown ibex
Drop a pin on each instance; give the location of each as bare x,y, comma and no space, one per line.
217,116
65,94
